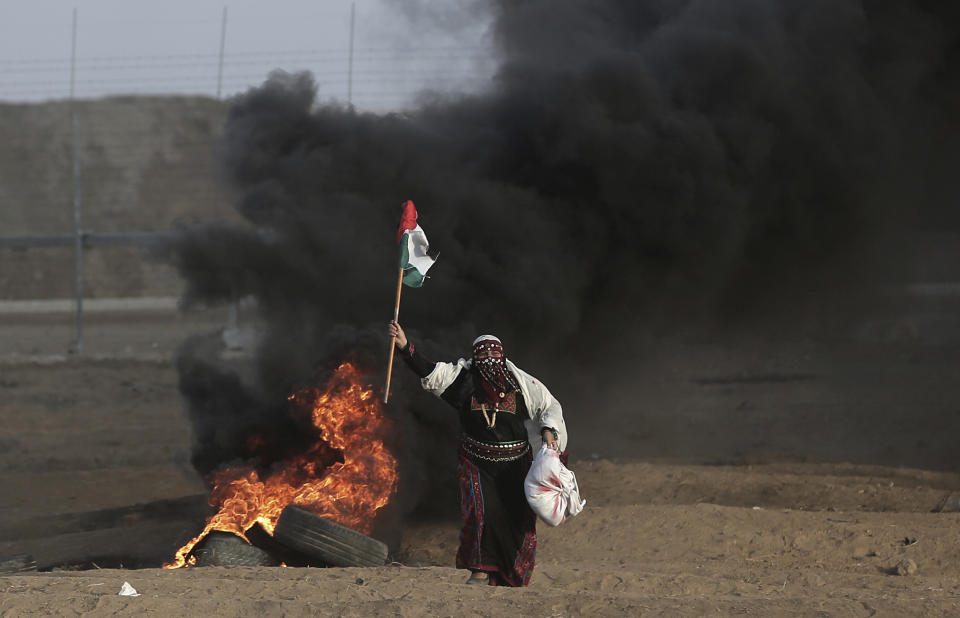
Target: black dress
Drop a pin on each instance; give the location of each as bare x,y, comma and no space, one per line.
499,528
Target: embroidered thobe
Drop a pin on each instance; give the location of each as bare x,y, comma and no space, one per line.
499,528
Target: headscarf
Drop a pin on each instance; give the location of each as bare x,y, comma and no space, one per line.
496,380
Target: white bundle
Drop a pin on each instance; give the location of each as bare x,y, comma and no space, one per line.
551,488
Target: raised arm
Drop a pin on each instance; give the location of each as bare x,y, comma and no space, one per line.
417,362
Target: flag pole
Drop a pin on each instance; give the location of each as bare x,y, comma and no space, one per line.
393,340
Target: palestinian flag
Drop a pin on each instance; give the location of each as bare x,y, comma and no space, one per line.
414,259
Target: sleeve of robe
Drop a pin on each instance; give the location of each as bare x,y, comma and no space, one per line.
543,407
442,376
417,362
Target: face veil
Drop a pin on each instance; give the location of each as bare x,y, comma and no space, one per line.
490,364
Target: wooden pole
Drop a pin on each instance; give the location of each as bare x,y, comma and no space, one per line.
393,340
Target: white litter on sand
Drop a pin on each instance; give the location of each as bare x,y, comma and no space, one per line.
128,591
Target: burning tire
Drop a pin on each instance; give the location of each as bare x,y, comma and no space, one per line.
226,549
17,563
336,545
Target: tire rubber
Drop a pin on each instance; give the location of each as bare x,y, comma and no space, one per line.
336,545
226,549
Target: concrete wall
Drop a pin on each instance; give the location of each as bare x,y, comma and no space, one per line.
145,163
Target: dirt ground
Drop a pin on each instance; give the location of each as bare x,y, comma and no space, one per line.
765,479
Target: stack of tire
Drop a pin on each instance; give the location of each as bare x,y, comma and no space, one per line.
300,538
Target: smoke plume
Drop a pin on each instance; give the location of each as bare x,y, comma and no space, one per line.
633,168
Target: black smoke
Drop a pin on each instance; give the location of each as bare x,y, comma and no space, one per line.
635,167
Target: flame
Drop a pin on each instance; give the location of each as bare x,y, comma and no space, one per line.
350,492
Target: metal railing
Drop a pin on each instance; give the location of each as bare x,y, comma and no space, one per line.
80,241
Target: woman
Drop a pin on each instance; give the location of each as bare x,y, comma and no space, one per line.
505,415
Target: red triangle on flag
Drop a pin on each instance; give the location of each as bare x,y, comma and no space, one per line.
408,220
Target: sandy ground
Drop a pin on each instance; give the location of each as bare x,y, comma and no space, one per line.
771,515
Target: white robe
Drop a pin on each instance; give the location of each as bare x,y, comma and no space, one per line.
543,408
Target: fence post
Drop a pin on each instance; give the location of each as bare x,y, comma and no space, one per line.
223,42
353,19
77,347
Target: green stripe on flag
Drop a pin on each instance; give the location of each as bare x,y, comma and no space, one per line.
413,278
404,252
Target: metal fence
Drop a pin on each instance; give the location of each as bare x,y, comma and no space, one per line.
98,162
352,59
